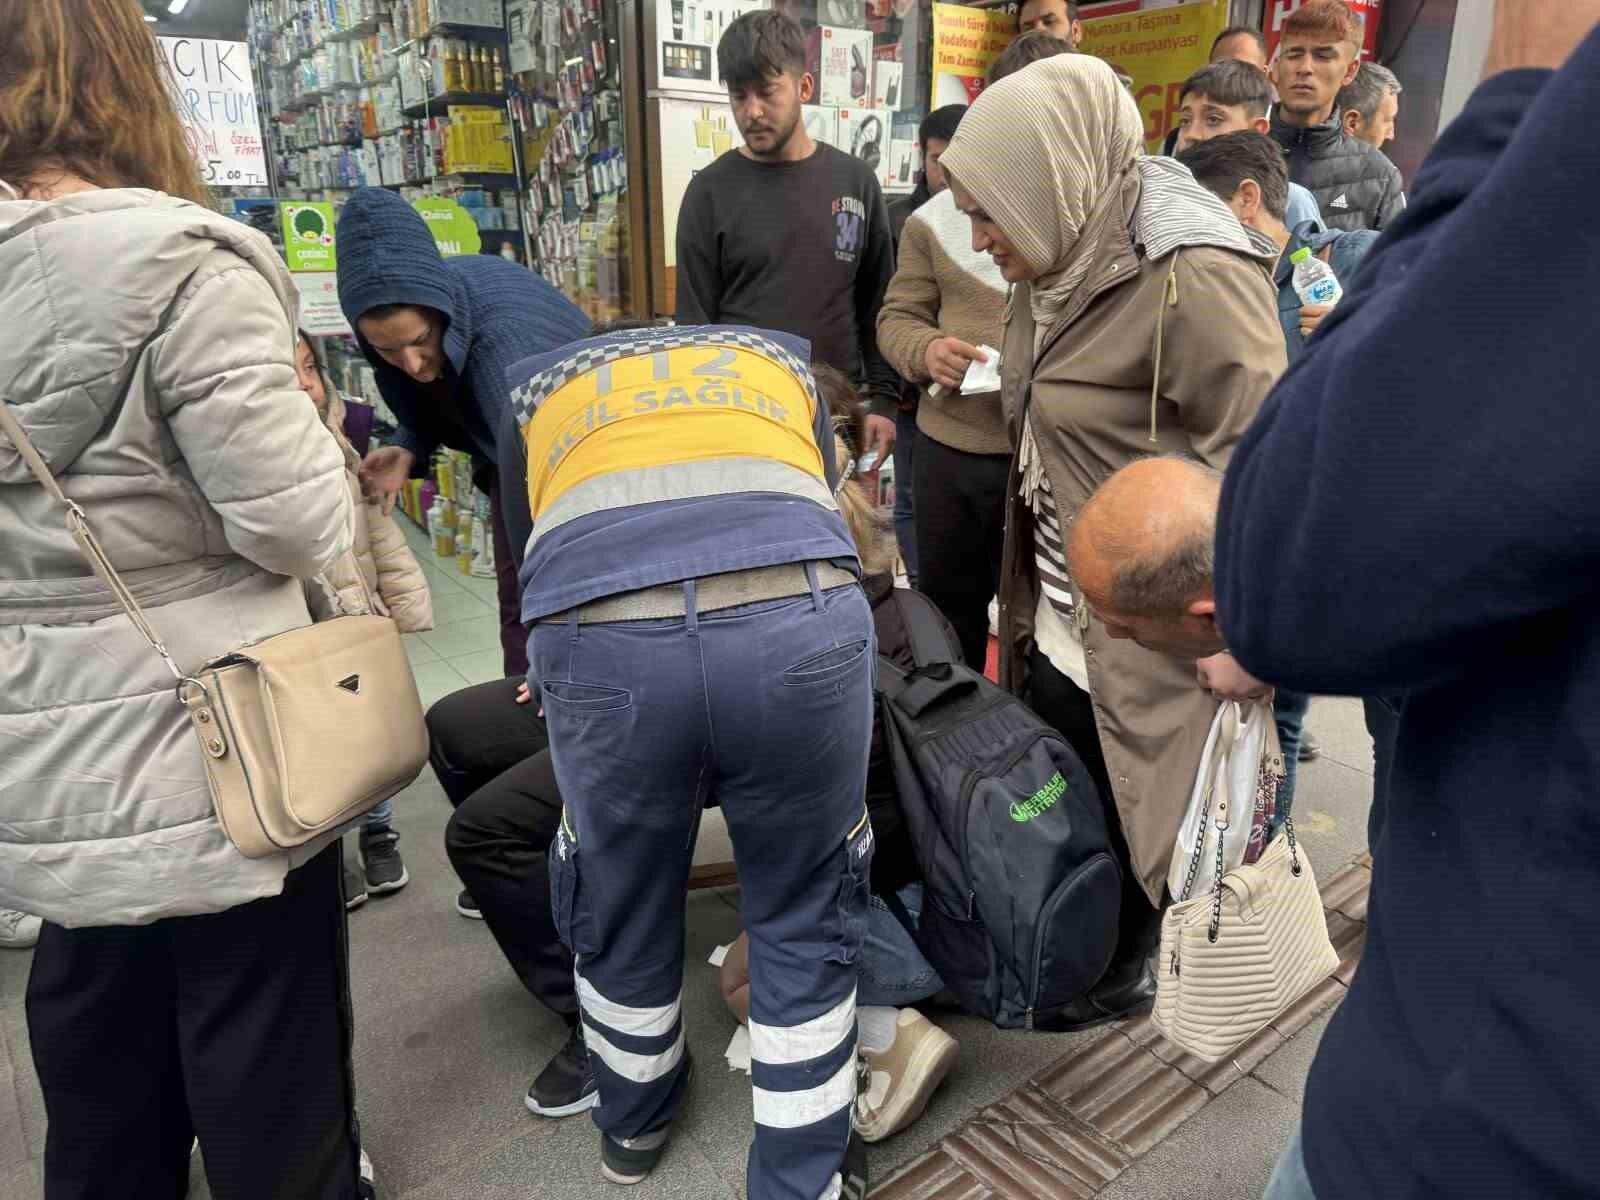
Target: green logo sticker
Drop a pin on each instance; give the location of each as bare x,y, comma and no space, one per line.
454,231
1041,801
308,237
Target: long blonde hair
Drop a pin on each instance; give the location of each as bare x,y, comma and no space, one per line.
866,524
84,91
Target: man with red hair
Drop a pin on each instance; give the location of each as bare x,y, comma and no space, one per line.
1355,184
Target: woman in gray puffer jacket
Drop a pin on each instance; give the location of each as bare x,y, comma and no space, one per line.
179,989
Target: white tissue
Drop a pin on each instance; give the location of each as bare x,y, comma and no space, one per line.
738,1051
717,955
983,375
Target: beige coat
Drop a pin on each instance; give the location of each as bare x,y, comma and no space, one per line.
149,358
379,574
1088,393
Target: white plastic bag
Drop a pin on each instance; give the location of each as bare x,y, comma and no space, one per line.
1231,760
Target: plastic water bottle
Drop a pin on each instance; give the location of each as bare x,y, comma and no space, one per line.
1314,279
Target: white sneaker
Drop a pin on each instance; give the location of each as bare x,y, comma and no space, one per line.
897,1083
18,930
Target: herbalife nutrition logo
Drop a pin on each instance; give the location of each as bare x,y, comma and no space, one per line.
1042,800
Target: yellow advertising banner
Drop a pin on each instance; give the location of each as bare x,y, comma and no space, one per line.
1157,50
965,42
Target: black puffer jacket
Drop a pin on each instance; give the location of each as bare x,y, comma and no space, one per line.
1355,184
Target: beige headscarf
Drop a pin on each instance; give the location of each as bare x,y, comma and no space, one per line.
1041,150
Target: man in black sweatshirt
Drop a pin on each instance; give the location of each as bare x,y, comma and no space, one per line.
1416,511
784,233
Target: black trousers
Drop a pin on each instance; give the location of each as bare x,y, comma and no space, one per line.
513,634
961,532
1065,706
492,756
232,1027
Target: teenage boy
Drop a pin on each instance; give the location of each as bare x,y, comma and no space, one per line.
1246,171
440,333
1237,43
1058,18
786,234
1226,97
1355,184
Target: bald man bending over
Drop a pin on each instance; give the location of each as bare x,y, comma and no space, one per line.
1141,552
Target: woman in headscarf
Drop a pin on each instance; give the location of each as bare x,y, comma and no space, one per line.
1141,322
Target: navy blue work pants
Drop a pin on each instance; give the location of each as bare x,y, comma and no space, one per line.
768,708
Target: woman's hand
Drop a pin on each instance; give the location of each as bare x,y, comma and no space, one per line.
947,360
384,473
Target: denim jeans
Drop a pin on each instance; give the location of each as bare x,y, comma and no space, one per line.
1290,710
905,507
379,818
1290,1181
893,971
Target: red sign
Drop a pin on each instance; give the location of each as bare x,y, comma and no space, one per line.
1367,12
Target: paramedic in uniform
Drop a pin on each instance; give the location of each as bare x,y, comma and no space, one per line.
699,633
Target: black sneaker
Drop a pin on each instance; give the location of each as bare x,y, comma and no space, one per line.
1310,748
566,1086
853,1173
380,858
467,906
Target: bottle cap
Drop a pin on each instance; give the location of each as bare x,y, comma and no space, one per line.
1300,255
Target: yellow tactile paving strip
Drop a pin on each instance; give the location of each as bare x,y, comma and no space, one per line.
1079,1123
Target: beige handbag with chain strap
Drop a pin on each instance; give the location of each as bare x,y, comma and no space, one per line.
301,732
1232,960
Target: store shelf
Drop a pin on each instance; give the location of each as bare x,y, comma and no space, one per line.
435,106
491,179
486,34
365,29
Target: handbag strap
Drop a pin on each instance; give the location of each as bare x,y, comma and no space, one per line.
1221,745
1263,713
78,526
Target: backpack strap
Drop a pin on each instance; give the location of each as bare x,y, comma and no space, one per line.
924,629
900,913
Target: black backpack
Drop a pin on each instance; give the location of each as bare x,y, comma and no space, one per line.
1021,893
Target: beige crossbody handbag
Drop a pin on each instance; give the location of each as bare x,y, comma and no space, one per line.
1232,960
300,732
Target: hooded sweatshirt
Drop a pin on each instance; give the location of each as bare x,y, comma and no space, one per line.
495,313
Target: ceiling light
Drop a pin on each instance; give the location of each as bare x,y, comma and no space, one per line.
149,18
177,6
